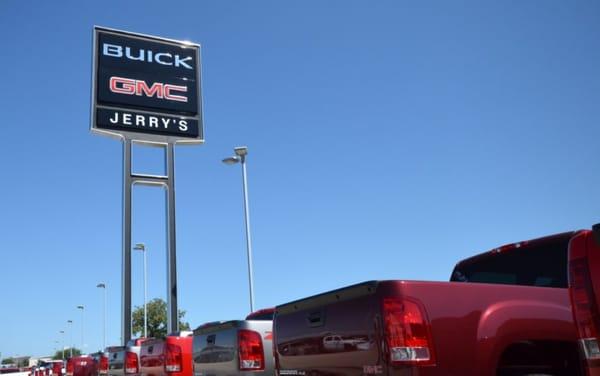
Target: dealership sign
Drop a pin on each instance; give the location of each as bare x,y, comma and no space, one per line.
146,88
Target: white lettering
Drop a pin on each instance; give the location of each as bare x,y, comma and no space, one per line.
158,56
183,125
149,56
139,57
112,50
166,122
127,119
116,119
153,122
180,62
140,120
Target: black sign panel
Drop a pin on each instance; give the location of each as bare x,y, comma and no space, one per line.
146,85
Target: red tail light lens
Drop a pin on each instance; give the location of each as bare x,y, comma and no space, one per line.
70,367
131,362
583,301
251,353
407,332
103,365
173,358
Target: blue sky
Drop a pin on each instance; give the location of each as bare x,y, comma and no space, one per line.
387,140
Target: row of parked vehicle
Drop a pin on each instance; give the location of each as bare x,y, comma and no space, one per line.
527,308
48,368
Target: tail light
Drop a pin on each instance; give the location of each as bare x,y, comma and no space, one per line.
103,365
70,367
251,353
131,362
407,332
583,301
173,358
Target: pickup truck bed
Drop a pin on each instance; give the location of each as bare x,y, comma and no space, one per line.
520,324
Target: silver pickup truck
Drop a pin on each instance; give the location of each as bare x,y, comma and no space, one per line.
237,347
125,360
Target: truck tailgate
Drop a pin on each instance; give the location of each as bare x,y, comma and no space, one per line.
152,357
116,356
215,348
332,333
84,366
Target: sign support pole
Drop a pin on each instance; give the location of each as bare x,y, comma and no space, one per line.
167,182
126,264
172,317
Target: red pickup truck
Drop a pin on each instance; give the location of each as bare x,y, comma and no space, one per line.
528,308
171,356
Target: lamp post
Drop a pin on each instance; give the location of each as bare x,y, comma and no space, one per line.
103,286
63,343
240,157
70,322
142,247
82,309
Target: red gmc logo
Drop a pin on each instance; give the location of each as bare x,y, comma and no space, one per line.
121,85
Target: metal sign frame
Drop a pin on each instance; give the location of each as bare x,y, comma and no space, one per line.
140,136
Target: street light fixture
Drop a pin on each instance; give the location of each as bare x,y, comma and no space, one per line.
82,309
71,331
103,286
142,247
240,157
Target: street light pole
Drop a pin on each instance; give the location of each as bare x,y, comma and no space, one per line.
71,331
103,286
240,157
142,247
81,308
63,344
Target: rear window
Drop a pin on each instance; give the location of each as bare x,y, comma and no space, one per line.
543,265
262,315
